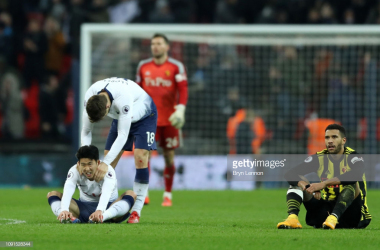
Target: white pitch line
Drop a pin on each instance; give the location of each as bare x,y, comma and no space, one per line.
12,221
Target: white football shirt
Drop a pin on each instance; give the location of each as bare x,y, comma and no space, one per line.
90,191
129,104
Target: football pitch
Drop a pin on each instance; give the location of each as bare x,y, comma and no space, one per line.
197,220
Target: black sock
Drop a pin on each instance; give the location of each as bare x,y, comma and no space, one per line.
293,201
346,197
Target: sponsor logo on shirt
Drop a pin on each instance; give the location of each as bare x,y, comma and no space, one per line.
159,81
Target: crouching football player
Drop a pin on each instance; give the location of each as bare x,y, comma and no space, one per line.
344,200
98,201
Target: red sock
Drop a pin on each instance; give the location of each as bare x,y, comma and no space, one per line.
168,177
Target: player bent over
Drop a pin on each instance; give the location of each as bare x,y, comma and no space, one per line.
98,201
341,171
165,80
134,122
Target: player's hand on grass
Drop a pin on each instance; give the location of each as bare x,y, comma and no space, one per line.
100,172
64,215
177,119
314,187
97,216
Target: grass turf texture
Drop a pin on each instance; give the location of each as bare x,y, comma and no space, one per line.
198,220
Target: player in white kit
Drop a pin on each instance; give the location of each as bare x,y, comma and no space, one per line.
134,122
98,201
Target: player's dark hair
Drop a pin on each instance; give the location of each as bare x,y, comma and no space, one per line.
162,36
341,129
91,152
96,107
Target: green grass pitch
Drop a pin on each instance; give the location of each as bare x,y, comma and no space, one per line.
198,220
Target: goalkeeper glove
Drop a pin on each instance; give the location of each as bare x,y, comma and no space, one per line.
177,119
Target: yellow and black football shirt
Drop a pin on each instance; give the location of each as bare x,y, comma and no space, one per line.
349,169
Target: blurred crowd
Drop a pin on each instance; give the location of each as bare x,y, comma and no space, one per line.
40,48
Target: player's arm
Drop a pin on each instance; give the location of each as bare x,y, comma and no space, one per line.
109,183
357,170
138,79
177,119
68,191
125,107
295,176
86,134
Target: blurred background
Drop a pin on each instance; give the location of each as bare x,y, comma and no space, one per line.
243,97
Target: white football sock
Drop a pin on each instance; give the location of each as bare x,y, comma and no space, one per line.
56,207
118,209
168,194
141,190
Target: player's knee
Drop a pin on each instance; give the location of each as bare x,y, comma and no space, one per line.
294,187
54,193
130,193
141,158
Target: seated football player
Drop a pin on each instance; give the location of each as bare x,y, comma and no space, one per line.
343,202
98,201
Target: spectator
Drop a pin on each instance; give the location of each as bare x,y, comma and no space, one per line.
313,17
6,36
162,13
327,14
374,15
124,12
35,46
98,11
56,46
50,107
77,18
349,16
11,102
228,11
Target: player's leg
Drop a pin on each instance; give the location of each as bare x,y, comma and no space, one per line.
169,172
171,141
294,198
147,200
54,199
344,200
118,211
144,138
141,184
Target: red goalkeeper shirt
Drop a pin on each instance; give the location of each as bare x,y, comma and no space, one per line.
165,83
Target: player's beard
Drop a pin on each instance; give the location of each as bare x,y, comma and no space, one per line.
337,148
159,56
